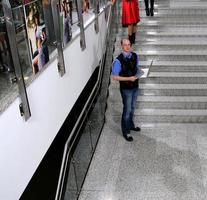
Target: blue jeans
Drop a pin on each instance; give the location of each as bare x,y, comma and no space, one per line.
129,98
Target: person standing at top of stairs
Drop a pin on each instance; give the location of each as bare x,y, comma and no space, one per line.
130,17
149,11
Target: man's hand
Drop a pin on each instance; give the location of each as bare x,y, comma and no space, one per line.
133,78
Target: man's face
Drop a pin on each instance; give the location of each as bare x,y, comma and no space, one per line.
126,45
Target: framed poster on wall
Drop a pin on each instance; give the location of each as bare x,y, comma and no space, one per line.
37,36
65,21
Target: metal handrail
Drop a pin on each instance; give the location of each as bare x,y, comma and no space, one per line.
106,42
58,42
92,96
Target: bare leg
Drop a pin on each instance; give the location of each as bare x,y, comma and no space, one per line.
134,34
130,32
130,29
134,28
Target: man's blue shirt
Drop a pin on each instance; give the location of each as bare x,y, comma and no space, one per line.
116,65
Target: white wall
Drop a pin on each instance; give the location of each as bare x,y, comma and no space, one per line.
51,97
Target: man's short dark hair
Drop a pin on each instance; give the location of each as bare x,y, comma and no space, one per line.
124,39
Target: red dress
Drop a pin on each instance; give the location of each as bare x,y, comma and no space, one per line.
130,12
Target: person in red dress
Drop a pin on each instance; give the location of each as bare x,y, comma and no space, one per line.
130,17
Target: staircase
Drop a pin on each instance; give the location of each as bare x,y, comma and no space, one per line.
175,39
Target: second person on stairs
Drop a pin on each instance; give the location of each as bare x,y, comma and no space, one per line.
130,17
149,11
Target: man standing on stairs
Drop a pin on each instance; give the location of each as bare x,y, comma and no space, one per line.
125,69
151,10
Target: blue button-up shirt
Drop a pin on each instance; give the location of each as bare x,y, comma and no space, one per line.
116,65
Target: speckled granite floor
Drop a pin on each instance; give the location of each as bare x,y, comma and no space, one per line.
163,162
168,159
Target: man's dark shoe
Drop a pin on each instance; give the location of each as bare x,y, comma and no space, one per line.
147,11
128,137
136,129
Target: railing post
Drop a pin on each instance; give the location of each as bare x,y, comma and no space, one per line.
96,10
11,32
58,43
80,19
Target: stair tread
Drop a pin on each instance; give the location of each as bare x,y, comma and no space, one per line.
168,52
173,98
174,63
140,41
115,85
169,32
177,74
173,126
173,86
169,112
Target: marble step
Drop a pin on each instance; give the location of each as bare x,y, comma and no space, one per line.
172,99
173,66
171,105
152,51
170,119
173,116
172,102
114,85
169,37
177,74
173,92
189,4
172,22
166,33
161,13
159,27
195,19
166,12
165,116
164,105
178,68
158,129
173,86
165,49
155,57
174,63
144,46
165,40
169,29
163,102
169,55
172,80
167,90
